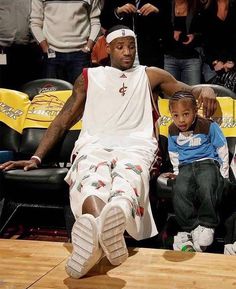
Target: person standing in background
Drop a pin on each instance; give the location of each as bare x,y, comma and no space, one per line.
66,32
219,37
182,42
18,50
145,17
99,55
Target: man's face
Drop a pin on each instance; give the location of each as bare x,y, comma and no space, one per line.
122,52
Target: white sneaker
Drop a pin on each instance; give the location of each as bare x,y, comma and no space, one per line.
230,249
181,240
202,237
86,249
195,238
206,236
111,238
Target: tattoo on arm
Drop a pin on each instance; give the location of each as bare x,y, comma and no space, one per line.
74,106
71,112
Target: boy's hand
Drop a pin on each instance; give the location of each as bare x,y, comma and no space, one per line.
169,175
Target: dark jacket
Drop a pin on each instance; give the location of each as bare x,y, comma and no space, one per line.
149,29
187,25
219,36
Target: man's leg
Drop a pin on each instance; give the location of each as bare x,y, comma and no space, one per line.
125,208
76,62
171,64
90,178
93,206
191,71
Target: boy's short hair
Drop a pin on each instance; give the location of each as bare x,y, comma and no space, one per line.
182,95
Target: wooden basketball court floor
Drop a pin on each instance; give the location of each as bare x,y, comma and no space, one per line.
40,265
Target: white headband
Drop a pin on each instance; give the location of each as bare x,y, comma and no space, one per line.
119,33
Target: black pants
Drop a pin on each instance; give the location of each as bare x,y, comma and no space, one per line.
150,51
24,63
197,193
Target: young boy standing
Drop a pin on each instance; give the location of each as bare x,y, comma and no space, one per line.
199,155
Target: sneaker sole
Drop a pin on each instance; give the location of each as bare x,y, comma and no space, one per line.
86,250
112,241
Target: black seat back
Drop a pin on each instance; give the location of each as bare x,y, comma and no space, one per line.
45,85
9,138
218,89
31,138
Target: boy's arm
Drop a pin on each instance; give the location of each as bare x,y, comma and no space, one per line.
174,156
219,142
224,156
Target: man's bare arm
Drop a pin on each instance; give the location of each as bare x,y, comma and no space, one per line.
169,85
71,112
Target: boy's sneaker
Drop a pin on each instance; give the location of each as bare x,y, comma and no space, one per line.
181,240
195,238
202,237
86,249
112,227
230,249
206,236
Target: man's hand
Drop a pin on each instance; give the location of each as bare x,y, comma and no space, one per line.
207,100
26,165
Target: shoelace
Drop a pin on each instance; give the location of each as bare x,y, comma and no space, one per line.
185,237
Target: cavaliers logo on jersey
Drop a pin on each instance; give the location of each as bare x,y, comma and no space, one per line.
123,89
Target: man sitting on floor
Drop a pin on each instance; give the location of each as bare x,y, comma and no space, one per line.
109,178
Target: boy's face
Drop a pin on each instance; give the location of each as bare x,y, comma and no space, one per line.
183,113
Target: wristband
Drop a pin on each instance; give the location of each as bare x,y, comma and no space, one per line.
36,158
